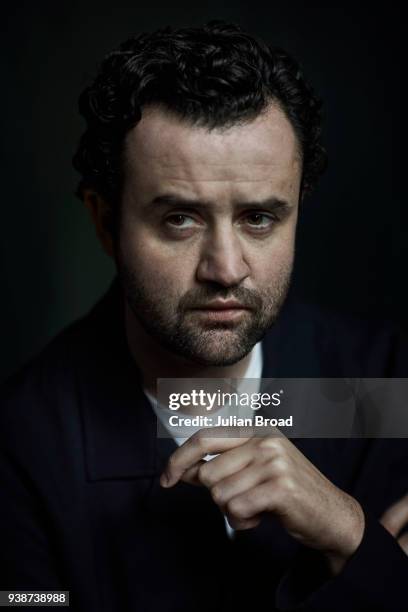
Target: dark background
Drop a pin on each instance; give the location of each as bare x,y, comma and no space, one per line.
352,247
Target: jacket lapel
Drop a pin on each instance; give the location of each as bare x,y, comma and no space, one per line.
118,423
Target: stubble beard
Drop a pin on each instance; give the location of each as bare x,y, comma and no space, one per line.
209,343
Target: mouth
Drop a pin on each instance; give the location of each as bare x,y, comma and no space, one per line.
227,310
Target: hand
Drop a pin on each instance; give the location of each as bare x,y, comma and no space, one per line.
254,476
395,518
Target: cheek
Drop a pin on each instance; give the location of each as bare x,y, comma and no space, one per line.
157,265
275,262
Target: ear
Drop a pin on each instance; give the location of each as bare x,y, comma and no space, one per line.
100,213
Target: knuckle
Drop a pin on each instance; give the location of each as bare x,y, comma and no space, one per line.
279,466
235,509
216,494
198,440
264,453
268,442
202,474
172,463
286,485
268,447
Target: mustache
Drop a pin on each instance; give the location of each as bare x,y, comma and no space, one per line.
202,296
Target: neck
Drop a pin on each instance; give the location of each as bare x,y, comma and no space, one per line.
154,361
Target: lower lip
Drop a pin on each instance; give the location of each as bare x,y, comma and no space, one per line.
230,314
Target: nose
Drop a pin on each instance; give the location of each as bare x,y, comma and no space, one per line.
222,259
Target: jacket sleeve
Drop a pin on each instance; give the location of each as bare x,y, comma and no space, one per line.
375,578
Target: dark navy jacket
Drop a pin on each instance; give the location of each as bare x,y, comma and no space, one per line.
81,508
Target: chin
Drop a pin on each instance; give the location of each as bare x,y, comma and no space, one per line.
217,361
216,358
218,347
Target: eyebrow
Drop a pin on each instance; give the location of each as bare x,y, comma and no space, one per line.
272,203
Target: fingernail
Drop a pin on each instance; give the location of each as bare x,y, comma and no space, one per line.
164,481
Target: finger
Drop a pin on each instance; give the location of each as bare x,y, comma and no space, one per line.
195,448
261,498
238,458
240,525
191,475
403,542
231,462
396,516
240,482
226,464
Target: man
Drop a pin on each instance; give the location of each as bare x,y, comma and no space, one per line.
200,146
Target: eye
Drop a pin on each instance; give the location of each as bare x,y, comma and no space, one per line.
179,220
259,220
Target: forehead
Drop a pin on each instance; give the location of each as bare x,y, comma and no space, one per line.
163,150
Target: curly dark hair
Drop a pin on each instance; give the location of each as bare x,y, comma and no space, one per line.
216,75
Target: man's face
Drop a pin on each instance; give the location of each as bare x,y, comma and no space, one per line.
207,218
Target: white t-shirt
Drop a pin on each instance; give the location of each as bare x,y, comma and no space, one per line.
254,371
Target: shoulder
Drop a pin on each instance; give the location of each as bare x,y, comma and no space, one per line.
376,347
317,341
35,399
44,390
